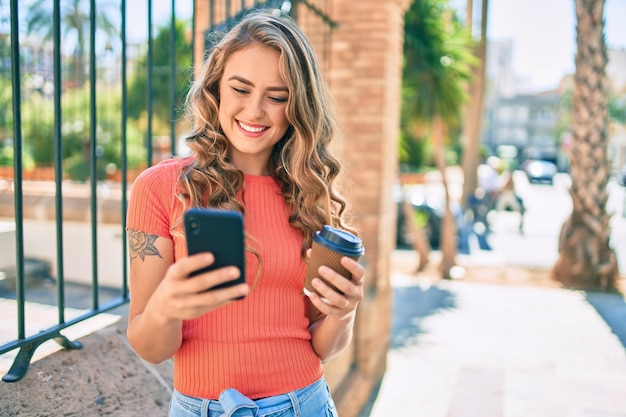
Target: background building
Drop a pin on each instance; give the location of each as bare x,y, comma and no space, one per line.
530,120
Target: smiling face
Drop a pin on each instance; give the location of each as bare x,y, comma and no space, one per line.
253,100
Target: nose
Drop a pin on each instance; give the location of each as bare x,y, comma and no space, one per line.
254,108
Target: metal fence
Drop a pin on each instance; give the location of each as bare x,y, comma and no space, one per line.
86,103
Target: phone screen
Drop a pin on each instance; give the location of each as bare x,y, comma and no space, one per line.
219,232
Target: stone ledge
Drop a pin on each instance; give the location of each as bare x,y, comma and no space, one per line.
104,378
39,201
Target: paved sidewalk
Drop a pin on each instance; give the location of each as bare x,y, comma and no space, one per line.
467,348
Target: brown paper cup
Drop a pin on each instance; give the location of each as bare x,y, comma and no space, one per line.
322,254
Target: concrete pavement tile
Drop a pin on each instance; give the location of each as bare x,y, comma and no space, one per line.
415,385
596,413
594,393
589,391
479,392
558,357
533,408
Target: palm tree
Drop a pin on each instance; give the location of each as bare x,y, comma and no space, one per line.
585,257
437,52
74,20
474,112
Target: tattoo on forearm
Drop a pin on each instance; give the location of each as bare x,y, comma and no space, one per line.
141,244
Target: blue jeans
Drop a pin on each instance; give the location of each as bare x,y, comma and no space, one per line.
311,401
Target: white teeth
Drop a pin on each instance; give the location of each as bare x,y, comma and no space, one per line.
251,129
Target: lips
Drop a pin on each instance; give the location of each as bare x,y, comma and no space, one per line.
251,128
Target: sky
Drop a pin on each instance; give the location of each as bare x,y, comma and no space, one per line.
137,25
544,35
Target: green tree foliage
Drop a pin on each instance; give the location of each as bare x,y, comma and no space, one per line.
75,22
437,66
6,111
138,90
76,135
38,133
617,109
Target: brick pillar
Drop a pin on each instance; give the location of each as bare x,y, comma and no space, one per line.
201,17
365,78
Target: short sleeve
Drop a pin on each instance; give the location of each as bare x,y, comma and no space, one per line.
151,199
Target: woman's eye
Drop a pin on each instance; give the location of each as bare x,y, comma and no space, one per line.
240,90
278,99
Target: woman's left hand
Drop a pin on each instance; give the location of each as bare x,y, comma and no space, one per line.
333,303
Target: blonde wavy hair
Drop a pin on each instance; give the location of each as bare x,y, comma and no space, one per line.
301,162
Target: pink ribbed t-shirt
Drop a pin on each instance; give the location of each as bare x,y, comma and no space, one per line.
260,345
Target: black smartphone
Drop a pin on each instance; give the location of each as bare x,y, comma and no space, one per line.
219,232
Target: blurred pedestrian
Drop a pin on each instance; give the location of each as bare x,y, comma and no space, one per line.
489,180
482,201
508,198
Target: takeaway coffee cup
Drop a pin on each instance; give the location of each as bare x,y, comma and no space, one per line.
329,246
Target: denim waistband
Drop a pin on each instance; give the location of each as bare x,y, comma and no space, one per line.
232,403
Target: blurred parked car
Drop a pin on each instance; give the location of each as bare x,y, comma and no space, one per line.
538,170
428,213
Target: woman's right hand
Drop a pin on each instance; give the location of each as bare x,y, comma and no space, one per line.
181,297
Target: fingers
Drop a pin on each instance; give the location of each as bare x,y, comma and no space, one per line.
185,267
353,286
356,269
187,270
188,292
331,301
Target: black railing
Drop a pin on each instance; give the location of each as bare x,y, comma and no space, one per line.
108,148
25,343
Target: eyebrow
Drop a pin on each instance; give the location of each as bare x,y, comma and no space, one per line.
251,84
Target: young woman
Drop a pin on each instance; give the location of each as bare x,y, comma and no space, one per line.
262,126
